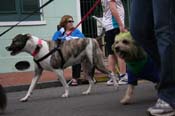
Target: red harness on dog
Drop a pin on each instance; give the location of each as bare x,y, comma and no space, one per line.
37,49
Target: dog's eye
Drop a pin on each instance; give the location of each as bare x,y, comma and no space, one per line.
125,42
14,40
116,42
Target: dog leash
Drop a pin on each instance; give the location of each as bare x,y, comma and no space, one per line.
37,49
58,48
48,54
86,15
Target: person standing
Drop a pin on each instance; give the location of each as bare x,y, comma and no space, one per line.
113,19
152,24
64,28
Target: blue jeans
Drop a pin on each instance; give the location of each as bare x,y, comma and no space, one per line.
152,24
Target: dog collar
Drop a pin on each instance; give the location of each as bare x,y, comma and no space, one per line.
37,49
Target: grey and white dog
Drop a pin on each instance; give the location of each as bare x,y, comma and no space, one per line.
139,64
85,51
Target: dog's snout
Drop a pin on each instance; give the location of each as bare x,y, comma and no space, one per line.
117,49
8,48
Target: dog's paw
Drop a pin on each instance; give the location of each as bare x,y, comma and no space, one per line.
116,86
23,99
86,92
126,100
65,95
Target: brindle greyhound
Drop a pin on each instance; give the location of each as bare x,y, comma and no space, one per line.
85,51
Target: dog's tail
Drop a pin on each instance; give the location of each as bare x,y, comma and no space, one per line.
101,35
102,25
3,99
98,20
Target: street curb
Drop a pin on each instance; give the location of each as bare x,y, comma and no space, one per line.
42,85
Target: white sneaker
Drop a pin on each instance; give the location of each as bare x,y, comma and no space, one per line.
123,79
109,82
161,108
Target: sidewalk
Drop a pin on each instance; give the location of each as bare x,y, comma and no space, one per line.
18,81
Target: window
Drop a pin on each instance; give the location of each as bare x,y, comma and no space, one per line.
16,10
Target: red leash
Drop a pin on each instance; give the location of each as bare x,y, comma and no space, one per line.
85,16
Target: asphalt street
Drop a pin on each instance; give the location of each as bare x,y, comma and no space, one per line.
103,101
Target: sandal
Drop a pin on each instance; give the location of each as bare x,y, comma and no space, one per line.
74,82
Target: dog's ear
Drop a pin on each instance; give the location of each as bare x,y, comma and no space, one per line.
136,43
18,36
27,36
23,37
141,54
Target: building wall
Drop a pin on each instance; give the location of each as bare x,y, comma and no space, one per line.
51,16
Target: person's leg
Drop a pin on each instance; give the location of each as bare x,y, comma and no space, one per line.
76,72
142,27
111,63
112,59
141,10
164,19
122,65
122,69
150,72
110,38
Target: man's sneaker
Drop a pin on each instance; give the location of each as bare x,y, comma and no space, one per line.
161,108
123,79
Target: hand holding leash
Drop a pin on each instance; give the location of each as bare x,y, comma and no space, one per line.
123,29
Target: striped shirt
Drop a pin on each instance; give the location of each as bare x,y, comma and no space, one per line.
109,21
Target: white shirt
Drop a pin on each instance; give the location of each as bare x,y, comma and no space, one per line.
109,21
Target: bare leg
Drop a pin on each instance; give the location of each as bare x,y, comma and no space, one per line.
112,62
122,65
101,67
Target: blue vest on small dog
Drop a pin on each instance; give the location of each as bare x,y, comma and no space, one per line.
148,71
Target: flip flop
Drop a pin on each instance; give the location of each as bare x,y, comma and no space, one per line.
74,83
